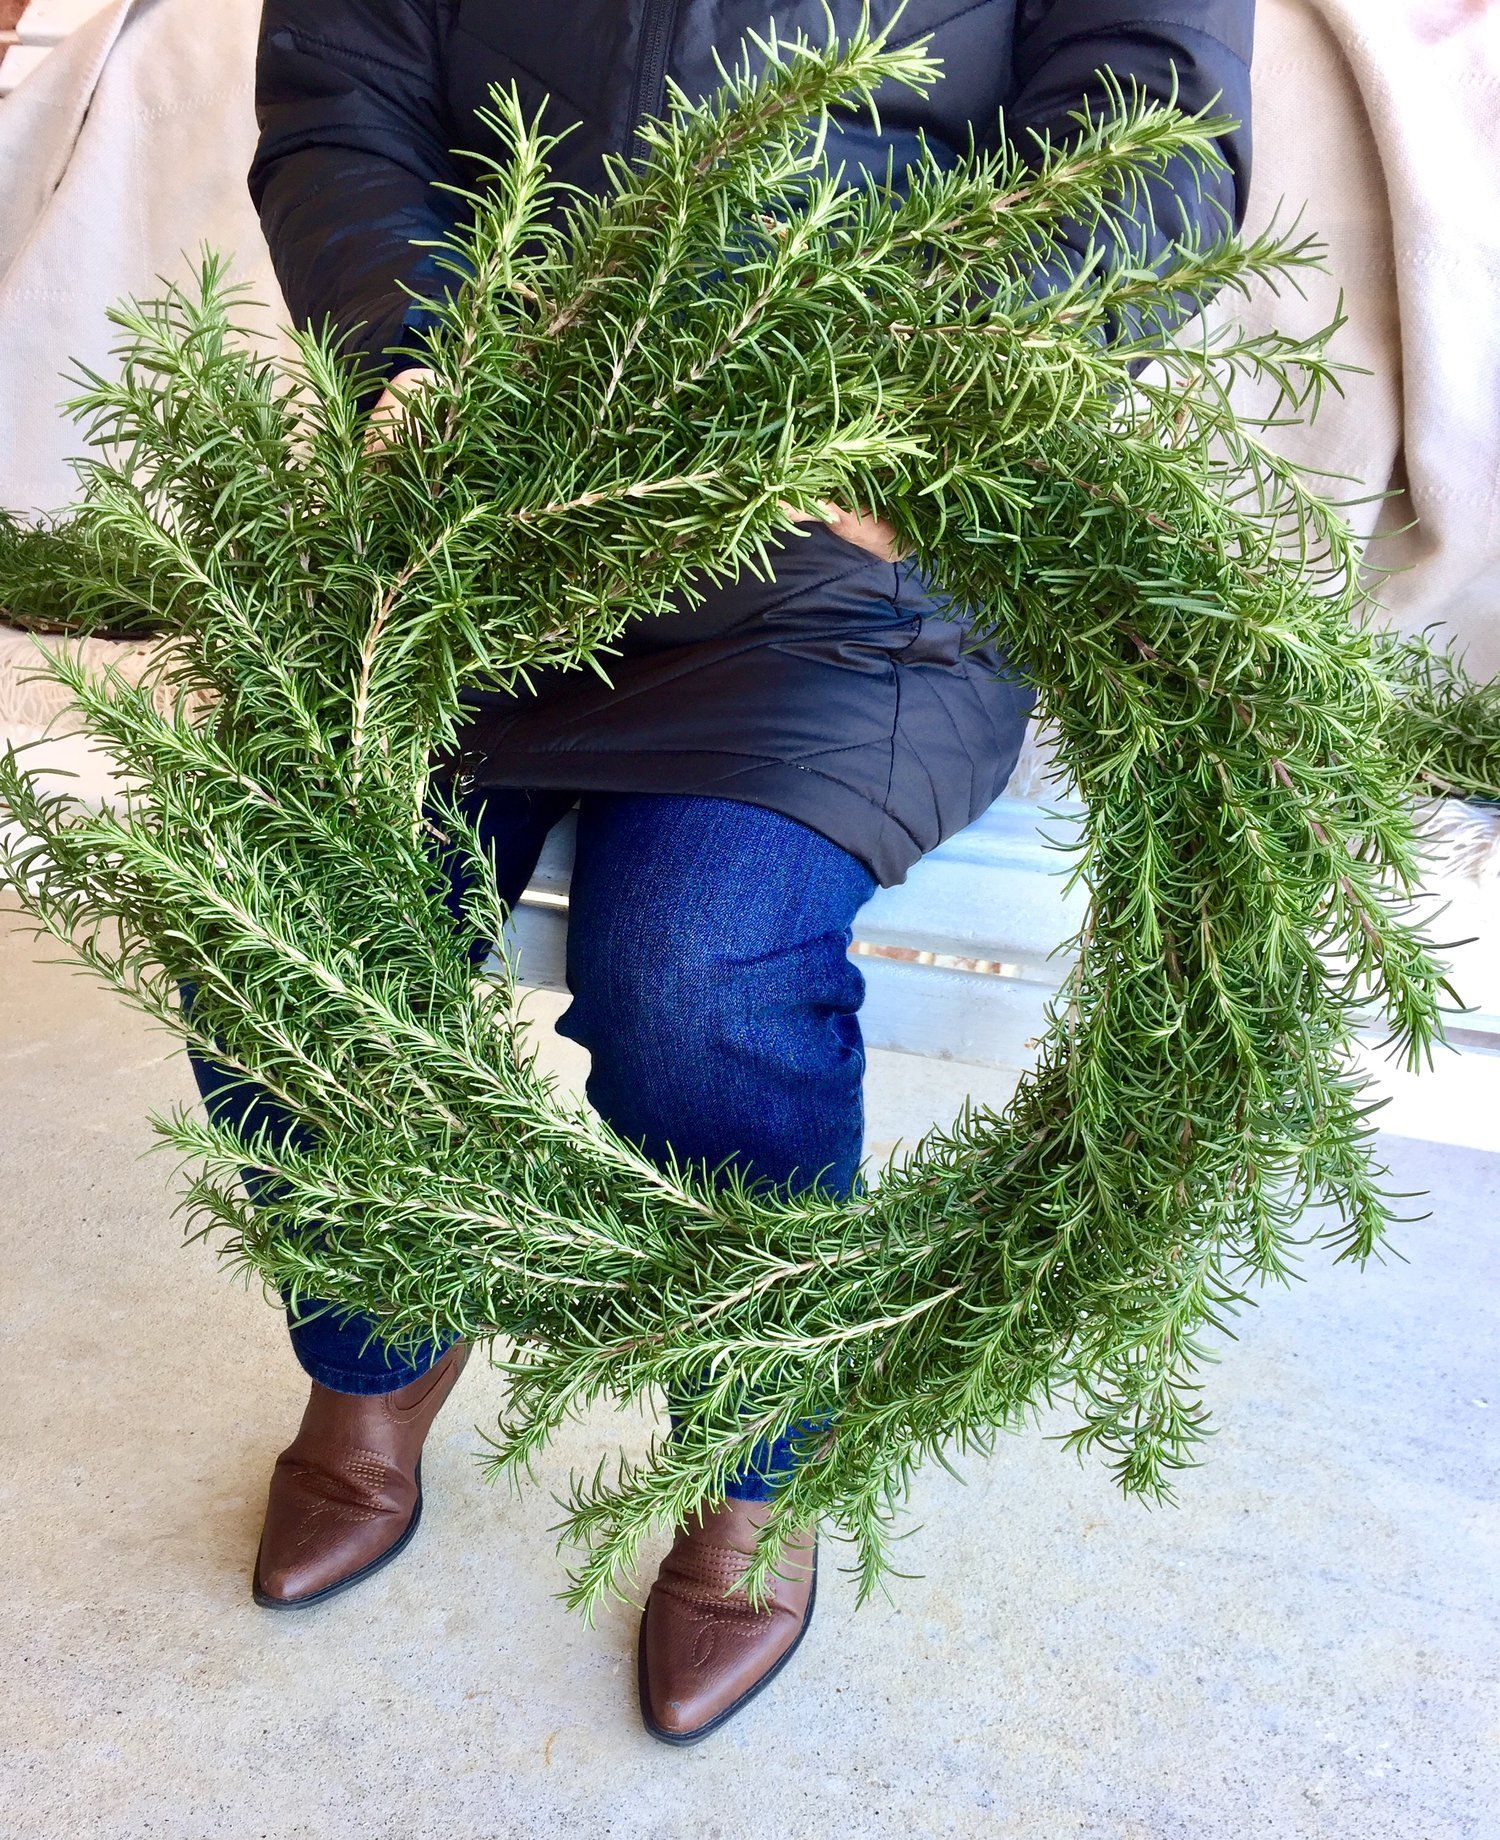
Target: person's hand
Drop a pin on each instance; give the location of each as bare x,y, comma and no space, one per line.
391,410
864,531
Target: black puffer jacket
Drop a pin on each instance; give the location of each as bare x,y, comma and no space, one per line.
842,693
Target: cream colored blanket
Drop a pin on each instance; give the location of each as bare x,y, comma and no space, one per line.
127,151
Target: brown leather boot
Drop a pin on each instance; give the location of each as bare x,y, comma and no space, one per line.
705,1651
346,1493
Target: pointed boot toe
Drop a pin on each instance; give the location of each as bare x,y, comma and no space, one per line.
705,1651
346,1494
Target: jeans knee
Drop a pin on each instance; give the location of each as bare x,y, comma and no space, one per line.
722,1054
700,997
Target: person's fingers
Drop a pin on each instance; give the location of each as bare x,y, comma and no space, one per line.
870,533
391,409
825,514
864,531
857,527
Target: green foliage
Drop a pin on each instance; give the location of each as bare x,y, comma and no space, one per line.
54,580
634,393
1444,725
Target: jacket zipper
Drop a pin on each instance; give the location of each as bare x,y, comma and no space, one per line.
658,22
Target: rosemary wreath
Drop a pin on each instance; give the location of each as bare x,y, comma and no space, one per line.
640,391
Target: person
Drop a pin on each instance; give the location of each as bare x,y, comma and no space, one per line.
755,767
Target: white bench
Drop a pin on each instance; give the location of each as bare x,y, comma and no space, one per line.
990,896
959,960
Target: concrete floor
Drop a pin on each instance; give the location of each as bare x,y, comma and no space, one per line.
1307,1646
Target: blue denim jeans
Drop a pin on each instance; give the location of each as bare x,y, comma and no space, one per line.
710,981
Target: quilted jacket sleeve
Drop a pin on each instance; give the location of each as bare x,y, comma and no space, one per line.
354,137
1063,45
